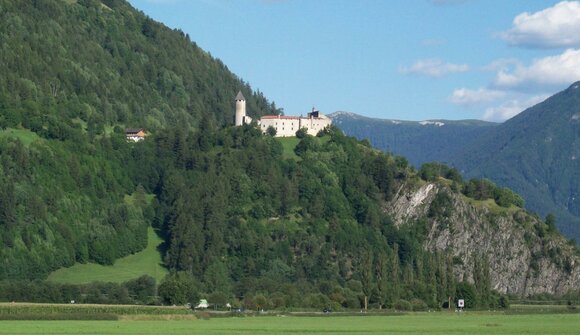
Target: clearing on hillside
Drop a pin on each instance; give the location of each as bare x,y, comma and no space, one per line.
146,262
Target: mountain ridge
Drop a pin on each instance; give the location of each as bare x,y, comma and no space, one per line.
339,114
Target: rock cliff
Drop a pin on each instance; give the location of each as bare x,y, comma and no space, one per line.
524,257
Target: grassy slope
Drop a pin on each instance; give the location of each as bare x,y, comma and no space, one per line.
289,143
420,323
24,135
146,262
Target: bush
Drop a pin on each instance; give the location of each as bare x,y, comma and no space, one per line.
504,302
301,133
403,305
179,289
418,305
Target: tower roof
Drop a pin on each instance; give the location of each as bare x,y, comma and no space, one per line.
240,96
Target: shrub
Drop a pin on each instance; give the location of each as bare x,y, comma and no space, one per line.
301,133
403,305
418,305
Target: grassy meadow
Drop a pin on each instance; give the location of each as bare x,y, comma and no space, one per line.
418,323
289,143
24,135
146,262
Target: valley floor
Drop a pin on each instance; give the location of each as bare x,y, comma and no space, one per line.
416,323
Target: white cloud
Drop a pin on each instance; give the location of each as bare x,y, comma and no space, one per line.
501,64
543,73
468,97
511,108
433,68
554,27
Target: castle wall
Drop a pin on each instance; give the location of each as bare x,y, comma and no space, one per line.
314,125
287,126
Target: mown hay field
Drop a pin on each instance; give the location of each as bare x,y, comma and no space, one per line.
415,323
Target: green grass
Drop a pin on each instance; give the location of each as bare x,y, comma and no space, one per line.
491,205
289,143
49,309
146,262
421,323
24,135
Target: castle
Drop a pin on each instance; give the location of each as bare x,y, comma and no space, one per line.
285,125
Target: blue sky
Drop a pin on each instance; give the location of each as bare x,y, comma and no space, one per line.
411,60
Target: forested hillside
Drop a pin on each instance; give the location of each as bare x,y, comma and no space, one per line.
74,74
325,228
93,64
242,221
244,216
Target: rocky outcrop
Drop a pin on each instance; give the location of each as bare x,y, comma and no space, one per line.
523,259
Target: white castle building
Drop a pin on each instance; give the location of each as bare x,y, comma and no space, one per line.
285,125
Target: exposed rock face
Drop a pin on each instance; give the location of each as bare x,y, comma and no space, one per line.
521,261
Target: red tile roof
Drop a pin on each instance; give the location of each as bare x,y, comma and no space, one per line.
265,117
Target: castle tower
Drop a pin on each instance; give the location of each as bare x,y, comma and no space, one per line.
240,109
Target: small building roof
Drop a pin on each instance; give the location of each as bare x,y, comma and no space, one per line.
240,96
133,130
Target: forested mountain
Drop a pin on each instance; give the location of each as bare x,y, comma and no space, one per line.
342,221
96,64
419,141
316,222
535,153
74,74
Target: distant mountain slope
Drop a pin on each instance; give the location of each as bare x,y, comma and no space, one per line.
536,153
418,141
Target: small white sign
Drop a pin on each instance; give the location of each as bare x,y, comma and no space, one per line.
461,303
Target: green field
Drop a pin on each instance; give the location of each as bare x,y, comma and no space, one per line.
146,262
421,323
